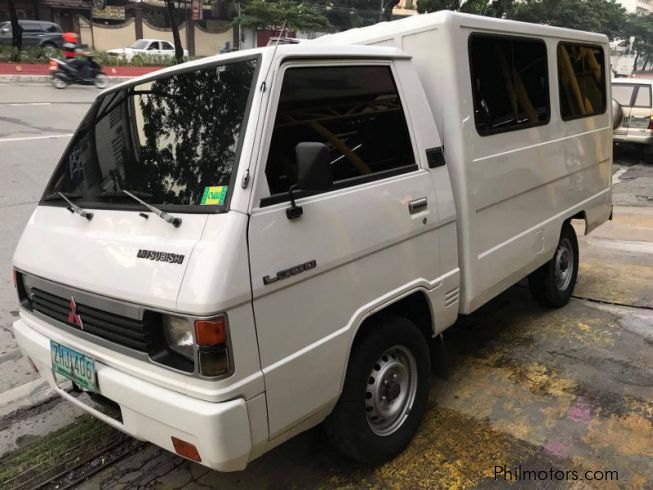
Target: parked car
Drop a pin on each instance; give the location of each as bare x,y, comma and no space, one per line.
144,47
234,250
35,33
635,97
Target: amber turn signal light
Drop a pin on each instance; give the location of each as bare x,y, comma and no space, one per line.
186,449
211,332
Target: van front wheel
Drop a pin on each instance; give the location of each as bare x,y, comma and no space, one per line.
552,284
385,392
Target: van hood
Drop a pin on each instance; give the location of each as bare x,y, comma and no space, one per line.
117,254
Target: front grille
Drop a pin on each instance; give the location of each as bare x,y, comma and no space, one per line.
135,334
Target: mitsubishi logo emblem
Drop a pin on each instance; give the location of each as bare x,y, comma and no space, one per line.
73,316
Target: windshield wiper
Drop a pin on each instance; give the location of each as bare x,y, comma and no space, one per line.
72,207
176,222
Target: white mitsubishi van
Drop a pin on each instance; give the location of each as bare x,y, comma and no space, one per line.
233,250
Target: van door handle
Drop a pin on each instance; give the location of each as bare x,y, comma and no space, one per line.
417,205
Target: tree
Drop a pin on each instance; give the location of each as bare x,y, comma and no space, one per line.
179,51
605,16
493,8
16,33
640,28
346,14
272,15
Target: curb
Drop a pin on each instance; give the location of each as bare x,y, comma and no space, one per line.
26,395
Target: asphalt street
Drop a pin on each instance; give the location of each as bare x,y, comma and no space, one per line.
569,389
36,122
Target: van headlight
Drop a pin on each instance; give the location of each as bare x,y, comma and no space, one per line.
27,286
179,336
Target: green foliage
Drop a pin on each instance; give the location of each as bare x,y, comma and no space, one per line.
604,16
641,28
496,8
263,14
27,55
346,14
104,59
40,56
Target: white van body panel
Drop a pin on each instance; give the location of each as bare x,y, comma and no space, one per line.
101,255
513,190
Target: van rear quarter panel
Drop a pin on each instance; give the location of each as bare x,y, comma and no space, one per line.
513,190
521,185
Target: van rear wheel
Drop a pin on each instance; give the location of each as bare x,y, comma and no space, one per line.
552,284
385,393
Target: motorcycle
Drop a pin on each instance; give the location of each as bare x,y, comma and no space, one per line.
65,73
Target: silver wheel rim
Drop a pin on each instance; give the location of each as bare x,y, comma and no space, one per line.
564,264
390,391
59,83
101,81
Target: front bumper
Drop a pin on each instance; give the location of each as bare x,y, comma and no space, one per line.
220,431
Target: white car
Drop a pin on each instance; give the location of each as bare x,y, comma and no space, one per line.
146,47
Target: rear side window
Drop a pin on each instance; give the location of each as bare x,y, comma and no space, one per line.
53,28
581,79
354,110
510,83
643,98
623,93
31,26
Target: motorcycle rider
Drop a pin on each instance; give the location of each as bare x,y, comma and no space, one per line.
85,65
70,42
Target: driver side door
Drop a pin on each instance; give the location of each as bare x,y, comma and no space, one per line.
367,236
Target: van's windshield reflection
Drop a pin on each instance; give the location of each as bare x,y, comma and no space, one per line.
175,140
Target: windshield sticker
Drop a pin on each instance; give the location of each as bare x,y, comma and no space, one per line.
214,195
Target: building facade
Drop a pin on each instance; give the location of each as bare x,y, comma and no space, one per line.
639,7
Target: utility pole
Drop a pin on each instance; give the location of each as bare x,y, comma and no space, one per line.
92,33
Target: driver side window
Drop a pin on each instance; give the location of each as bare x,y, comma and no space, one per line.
355,111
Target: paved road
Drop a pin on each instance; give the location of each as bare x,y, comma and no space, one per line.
569,389
36,122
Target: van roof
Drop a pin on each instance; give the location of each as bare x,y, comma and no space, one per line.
295,50
417,23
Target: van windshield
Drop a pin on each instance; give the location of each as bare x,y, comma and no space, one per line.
173,142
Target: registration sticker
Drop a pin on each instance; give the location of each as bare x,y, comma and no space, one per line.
215,195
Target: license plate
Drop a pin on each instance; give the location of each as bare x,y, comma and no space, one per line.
75,366
639,122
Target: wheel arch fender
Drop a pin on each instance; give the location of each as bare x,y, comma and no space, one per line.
415,305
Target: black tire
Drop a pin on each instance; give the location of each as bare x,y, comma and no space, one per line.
552,284
349,427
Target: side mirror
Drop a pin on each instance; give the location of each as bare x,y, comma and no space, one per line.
313,173
617,114
313,167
